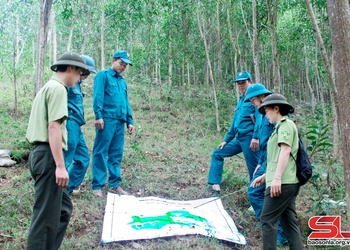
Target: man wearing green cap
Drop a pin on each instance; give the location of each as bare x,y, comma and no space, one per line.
112,112
77,156
47,132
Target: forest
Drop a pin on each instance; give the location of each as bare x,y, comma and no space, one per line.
185,57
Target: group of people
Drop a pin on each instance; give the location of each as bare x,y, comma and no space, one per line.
60,157
262,130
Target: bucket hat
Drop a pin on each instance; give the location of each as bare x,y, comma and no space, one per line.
90,63
123,55
244,75
278,100
256,89
71,59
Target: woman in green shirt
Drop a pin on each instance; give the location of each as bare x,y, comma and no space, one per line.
281,180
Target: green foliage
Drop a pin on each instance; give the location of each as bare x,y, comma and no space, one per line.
20,156
329,196
320,140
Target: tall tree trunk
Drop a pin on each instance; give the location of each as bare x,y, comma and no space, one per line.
255,45
232,40
275,65
339,20
43,30
15,60
88,24
308,82
245,22
219,46
71,30
170,66
329,73
131,35
211,76
320,86
103,56
54,39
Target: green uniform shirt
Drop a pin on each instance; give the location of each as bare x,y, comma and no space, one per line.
285,132
49,105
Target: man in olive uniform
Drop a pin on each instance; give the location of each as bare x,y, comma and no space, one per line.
47,132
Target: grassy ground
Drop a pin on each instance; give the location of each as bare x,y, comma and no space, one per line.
168,157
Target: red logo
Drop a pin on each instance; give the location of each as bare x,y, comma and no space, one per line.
327,227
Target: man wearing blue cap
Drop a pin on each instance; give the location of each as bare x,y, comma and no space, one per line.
112,111
242,137
77,156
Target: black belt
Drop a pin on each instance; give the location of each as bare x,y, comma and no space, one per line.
40,143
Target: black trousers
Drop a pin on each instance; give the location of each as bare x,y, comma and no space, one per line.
282,208
52,206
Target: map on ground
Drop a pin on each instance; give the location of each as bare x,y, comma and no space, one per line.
134,218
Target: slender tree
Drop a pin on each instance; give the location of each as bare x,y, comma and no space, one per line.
329,73
339,20
43,30
102,26
272,9
255,44
211,76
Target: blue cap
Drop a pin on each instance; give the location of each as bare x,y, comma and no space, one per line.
242,76
256,89
123,55
90,63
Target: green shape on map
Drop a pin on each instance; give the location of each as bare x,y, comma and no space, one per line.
177,217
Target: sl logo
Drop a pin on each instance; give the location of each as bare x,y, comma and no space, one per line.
327,227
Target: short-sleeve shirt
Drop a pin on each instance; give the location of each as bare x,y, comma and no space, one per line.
49,105
285,132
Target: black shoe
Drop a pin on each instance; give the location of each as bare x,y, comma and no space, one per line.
213,191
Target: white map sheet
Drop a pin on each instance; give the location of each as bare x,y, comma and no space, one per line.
131,218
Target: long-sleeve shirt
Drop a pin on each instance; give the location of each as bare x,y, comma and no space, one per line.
75,104
242,123
265,131
111,97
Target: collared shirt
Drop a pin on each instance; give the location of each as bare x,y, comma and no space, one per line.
76,104
265,131
111,97
285,132
49,105
242,123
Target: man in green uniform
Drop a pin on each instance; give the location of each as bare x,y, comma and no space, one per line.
47,132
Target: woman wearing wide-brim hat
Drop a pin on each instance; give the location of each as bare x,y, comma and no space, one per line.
280,178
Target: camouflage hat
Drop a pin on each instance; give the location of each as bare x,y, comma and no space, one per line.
71,59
